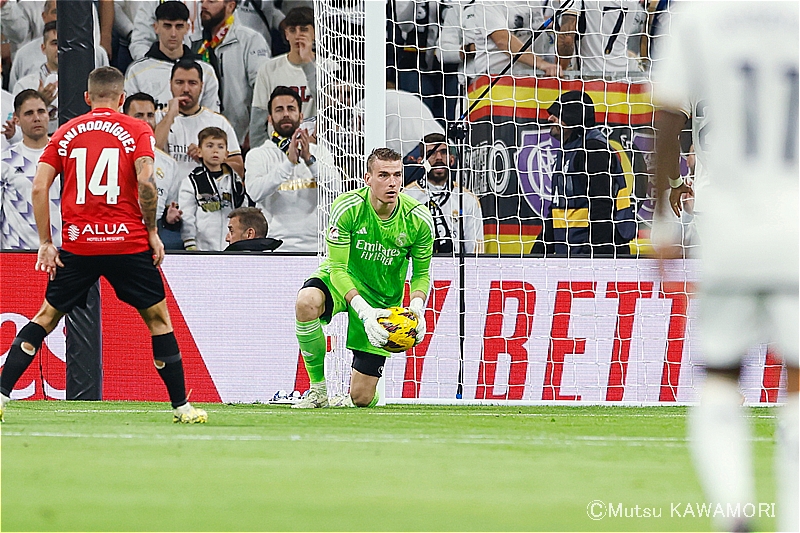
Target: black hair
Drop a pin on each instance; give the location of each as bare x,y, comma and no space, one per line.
50,26
172,10
187,64
282,90
299,16
23,97
137,97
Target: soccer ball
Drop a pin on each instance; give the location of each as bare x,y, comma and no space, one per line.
402,328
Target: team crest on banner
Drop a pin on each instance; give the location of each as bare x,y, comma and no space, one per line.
536,160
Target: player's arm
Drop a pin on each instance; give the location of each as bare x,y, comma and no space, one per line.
48,258
669,123
148,202
339,242
421,254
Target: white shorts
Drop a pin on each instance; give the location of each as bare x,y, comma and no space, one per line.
733,322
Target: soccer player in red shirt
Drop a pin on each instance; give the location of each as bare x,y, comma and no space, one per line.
108,208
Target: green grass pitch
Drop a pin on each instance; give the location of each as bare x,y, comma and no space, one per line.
123,466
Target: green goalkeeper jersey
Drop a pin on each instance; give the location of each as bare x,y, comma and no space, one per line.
371,255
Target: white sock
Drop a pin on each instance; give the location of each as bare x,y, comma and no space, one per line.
4,400
786,465
320,387
719,437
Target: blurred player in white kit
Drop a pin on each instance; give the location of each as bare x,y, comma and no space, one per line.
742,59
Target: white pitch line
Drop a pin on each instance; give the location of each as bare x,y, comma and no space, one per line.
488,440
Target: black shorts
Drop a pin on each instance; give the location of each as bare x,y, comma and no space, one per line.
135,279
317,283
368,363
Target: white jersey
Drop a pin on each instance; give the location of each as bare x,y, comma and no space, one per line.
184,132
443,206
604,27
205,229
743,58
151,76
17,223
167,181
30,57
521,17
280,71
288,194
408,120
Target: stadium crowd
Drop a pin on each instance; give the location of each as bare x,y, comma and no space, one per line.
247,69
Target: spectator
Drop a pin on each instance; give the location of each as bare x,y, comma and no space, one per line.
295,69
11,133
168,214
151,73
29,57
408,120
489,26
599,45
17,225
21,21
124,15
440,192
45,80
283,176
209,193
185,117
143,34
259,15
247,231
586,215
236,53
415,34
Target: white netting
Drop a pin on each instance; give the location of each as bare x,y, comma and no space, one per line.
537,317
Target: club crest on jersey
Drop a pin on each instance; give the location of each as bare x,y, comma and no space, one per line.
401,240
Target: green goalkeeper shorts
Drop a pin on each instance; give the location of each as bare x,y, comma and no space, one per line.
335,304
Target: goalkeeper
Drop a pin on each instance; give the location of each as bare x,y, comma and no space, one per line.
372,233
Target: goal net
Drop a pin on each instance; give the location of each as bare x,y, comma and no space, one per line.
514,315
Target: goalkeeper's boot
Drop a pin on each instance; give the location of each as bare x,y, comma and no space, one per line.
186,414
317,398
342,400
3,401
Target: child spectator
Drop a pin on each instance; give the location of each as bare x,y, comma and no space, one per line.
209,193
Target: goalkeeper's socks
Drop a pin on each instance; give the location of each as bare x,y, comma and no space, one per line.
19,357
375,400
719,440
169,364
786,464
312,343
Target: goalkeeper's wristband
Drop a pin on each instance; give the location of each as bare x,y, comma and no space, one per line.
359,305
675,182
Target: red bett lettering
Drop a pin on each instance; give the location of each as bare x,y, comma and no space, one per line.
561,344
628,293
415,358
494,343
678,292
